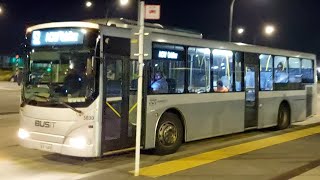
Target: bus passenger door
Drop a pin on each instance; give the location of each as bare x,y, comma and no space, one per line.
117,132
251,91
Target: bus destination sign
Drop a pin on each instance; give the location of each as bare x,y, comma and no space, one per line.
57,37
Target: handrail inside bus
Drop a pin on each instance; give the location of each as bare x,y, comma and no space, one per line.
267,66
228,67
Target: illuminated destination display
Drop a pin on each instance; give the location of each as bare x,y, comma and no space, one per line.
168,55
57,37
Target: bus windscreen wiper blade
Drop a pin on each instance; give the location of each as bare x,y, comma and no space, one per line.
68,106
48,99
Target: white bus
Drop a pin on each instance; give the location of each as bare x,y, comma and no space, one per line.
79,91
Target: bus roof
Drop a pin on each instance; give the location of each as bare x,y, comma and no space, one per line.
174,35
120,23
79,24
153,27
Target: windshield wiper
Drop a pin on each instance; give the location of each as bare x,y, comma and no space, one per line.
54,100
68,106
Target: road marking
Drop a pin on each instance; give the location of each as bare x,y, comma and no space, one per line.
170,167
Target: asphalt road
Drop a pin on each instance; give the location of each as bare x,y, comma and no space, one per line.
275,162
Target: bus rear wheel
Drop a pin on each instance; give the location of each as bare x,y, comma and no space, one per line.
169,134
283,117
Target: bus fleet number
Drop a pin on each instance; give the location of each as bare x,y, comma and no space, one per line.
89,118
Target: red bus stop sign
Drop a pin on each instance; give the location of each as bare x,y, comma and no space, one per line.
152,12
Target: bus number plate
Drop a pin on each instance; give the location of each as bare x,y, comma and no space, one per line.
46,147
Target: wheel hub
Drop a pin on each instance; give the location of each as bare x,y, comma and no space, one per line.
168,134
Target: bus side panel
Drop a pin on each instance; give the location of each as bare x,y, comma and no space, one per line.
314,97
270,103
205,115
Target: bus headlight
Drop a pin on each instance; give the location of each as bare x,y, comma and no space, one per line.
78,142
23,134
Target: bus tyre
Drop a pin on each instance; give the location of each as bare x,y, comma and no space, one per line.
169,134
283,117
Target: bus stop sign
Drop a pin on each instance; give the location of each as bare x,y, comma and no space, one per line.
152,12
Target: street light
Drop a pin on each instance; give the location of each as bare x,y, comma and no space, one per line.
112,6
240,31
88,4
1,11
124,2
269,30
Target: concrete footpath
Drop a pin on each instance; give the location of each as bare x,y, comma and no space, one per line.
10,97
9,86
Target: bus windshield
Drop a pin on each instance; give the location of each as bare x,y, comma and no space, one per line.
61,74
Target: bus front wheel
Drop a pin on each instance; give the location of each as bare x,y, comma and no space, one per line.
169,134
283,116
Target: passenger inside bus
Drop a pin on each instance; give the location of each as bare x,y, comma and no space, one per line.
221,87
280,75
159,84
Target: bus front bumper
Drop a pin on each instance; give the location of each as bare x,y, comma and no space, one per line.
65,149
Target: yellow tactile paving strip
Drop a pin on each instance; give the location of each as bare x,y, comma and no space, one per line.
170,167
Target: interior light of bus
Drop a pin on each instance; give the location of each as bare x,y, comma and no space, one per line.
78,142
215,67
23,134
205,51
219,52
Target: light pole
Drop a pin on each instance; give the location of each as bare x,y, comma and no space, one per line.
140,84
230,20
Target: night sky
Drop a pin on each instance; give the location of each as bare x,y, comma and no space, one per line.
296,21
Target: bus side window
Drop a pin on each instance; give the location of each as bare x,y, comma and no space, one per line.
295,70
238,64
281,69
222,68
266,72
307,71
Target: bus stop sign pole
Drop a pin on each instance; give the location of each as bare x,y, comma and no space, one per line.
140,80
